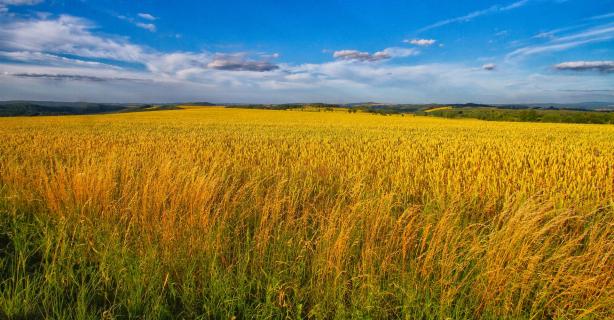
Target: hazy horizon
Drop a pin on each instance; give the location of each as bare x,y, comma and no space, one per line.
222,103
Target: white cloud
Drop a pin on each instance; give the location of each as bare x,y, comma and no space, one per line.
175,62
44,41
396,52
603,16
421,42
388,53
147,26
50,59
4,4
472,15
147,16
545,35
336,81
592,35
20,2
241,65
602,66
489,66
514,5
604,30
68,77
143,25
66,35
359,55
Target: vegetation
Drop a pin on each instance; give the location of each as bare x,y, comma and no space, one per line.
369,107
525,115
516,113
222,213
44,108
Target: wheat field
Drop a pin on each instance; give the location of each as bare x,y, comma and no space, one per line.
223,213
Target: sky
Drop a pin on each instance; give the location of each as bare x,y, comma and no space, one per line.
336,51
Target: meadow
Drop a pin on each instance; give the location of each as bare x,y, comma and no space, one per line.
219,213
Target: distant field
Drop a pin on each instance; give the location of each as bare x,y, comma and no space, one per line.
438,109
525,115
221,213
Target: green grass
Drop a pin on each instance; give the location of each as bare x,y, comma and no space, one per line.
79,269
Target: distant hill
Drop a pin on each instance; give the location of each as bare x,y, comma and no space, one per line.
53,108
577,106
36,108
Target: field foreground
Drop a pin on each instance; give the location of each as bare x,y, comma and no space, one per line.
215,213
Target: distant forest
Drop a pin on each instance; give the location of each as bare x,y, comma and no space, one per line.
48,108
526,115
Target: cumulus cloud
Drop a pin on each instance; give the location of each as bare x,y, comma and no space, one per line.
359,55
421,42
355,55
66,35
47,41
147,16
602,66
489,66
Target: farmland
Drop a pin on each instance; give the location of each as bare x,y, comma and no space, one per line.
212,212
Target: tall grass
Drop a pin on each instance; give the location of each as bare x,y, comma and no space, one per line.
221,213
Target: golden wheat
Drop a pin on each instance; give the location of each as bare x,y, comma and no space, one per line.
332,214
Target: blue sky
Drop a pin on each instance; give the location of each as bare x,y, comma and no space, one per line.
306,51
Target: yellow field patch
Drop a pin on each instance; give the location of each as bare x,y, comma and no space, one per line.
438,109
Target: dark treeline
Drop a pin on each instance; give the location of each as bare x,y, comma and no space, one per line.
43,108
526,115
